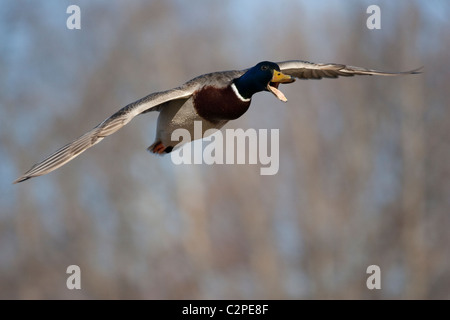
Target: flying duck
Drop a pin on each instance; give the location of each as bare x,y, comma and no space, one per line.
213,98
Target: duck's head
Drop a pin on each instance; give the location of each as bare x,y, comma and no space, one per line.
265,76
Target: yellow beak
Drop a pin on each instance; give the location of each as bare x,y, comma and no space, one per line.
277,78
280,77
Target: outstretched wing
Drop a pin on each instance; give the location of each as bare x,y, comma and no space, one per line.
308,70
107,127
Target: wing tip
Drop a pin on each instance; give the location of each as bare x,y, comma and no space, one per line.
21,179
413,71
418,70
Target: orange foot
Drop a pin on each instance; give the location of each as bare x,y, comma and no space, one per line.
157,148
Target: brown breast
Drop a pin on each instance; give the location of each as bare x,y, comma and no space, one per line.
214,104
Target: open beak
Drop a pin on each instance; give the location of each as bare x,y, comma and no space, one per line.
277,78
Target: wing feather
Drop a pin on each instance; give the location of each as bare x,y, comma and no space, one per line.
105,128
308,70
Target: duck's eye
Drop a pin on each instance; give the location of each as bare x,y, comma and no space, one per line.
264,68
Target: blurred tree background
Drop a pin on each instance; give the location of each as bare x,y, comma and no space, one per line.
364,162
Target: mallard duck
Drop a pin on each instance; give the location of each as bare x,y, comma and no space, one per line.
214,99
